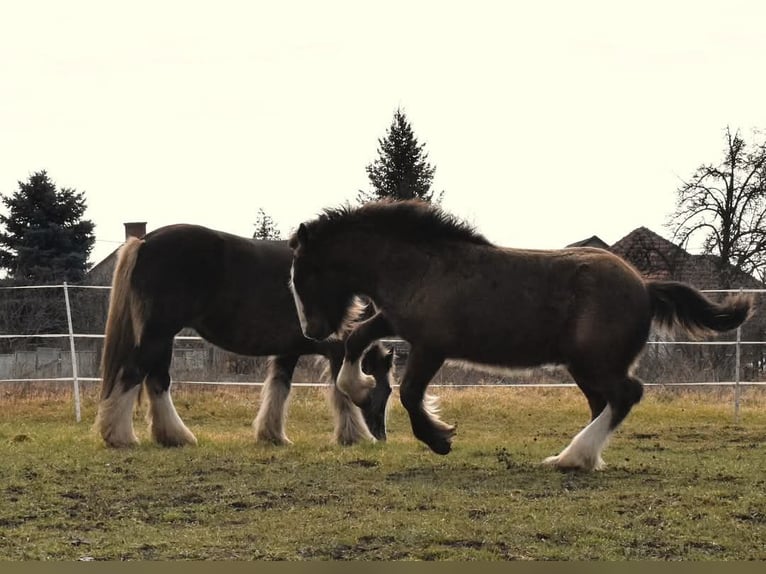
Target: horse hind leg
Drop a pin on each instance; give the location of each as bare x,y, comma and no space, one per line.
596,399
165,424
114,419
585,449
269,423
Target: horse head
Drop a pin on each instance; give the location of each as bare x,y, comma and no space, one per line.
322,299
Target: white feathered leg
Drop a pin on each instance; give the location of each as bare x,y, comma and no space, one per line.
269,423
165,425
114,420
584,452
350,426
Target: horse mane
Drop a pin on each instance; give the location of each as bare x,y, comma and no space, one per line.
413,220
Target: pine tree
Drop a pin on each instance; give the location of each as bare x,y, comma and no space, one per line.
44,237
401,170
265,228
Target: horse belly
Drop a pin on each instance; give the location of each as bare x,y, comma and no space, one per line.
511,347
504,329
252,325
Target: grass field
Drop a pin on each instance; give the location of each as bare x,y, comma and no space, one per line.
682,483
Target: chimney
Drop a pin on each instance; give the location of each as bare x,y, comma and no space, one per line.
135,229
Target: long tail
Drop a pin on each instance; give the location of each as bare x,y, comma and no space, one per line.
124,322
677,304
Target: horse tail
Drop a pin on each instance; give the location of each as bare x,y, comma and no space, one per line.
124,322
676,304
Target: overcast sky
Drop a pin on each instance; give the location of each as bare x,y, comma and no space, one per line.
547,122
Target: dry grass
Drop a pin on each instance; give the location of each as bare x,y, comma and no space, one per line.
683,482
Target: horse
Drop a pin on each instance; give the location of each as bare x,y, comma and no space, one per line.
234,292
452,294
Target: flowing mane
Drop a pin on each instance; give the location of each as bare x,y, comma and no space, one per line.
413,220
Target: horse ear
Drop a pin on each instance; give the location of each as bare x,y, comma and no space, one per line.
301,239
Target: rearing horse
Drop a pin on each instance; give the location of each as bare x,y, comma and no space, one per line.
452,294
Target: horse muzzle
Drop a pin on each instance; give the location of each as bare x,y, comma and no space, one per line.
377,427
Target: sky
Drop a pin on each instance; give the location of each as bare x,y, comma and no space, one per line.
548,122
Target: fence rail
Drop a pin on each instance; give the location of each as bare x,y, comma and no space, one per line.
75,379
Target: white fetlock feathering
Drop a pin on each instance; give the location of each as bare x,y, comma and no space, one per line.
350,427
114,421
584,452
165,424
269,423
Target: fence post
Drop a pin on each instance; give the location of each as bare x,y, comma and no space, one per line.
75,380
737,365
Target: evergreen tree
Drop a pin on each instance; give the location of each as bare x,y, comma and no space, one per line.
44,236
265,228
401,170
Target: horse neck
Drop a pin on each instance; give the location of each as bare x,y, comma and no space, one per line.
370,260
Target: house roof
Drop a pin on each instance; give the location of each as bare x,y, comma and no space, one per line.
592,241
653,255
657,258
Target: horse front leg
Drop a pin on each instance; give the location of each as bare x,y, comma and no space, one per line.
421,366
269,423
352,381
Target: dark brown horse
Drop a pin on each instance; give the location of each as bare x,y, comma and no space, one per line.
452,294
235,293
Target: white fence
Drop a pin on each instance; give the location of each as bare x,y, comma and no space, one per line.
67,368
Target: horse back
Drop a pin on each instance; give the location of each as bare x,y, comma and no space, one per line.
179,267
232,290
523,307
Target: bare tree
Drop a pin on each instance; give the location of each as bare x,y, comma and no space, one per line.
726,204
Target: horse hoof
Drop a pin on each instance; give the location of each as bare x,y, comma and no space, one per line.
264,438
177,442
351,441
567,464
121,442
172,436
